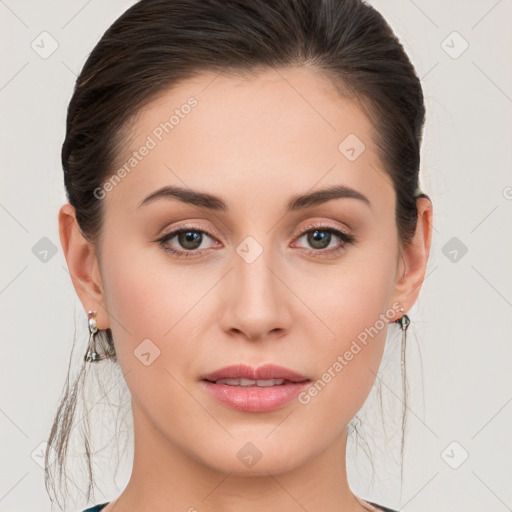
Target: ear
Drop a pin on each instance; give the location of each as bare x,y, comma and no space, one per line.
414,257
82,264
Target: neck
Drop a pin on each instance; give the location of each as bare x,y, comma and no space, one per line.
166,479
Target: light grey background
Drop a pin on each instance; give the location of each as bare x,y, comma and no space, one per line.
461,325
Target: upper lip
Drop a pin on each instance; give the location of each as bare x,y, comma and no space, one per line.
265,372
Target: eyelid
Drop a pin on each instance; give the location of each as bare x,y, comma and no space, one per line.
211,232
323,225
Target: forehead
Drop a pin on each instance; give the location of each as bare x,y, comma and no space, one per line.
276,132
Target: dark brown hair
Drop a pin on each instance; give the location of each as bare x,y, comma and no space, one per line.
156,44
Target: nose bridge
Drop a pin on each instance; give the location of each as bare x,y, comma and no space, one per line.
257,303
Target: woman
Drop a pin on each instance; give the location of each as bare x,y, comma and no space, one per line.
244,221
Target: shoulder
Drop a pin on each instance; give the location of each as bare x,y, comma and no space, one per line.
96,508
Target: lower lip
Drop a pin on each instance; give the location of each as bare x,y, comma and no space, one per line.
255,398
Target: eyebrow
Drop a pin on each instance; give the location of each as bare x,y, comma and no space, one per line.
211,202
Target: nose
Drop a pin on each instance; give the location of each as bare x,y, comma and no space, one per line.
255,299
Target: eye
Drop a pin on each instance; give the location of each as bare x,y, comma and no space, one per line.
320,237
191,241
190,238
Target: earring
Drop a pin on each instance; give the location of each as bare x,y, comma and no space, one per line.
91,356
404,322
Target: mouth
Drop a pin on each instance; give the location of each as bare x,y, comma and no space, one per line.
248,389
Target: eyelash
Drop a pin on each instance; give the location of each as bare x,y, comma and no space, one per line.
345,237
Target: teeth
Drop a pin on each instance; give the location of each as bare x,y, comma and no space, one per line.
250,382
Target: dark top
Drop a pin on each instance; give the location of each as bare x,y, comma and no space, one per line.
97,508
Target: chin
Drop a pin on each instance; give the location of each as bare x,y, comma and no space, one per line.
244,457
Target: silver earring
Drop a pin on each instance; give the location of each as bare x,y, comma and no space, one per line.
404,322
91,356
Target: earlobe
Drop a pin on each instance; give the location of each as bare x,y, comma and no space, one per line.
82,264
415,257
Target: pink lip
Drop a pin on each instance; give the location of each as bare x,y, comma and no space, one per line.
265,372
255,398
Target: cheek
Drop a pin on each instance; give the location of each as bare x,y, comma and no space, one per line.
148,307
353,302
349,360
149,298
350,297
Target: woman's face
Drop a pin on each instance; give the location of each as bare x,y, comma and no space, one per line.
259,286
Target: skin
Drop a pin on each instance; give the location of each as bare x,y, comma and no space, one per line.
255,143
